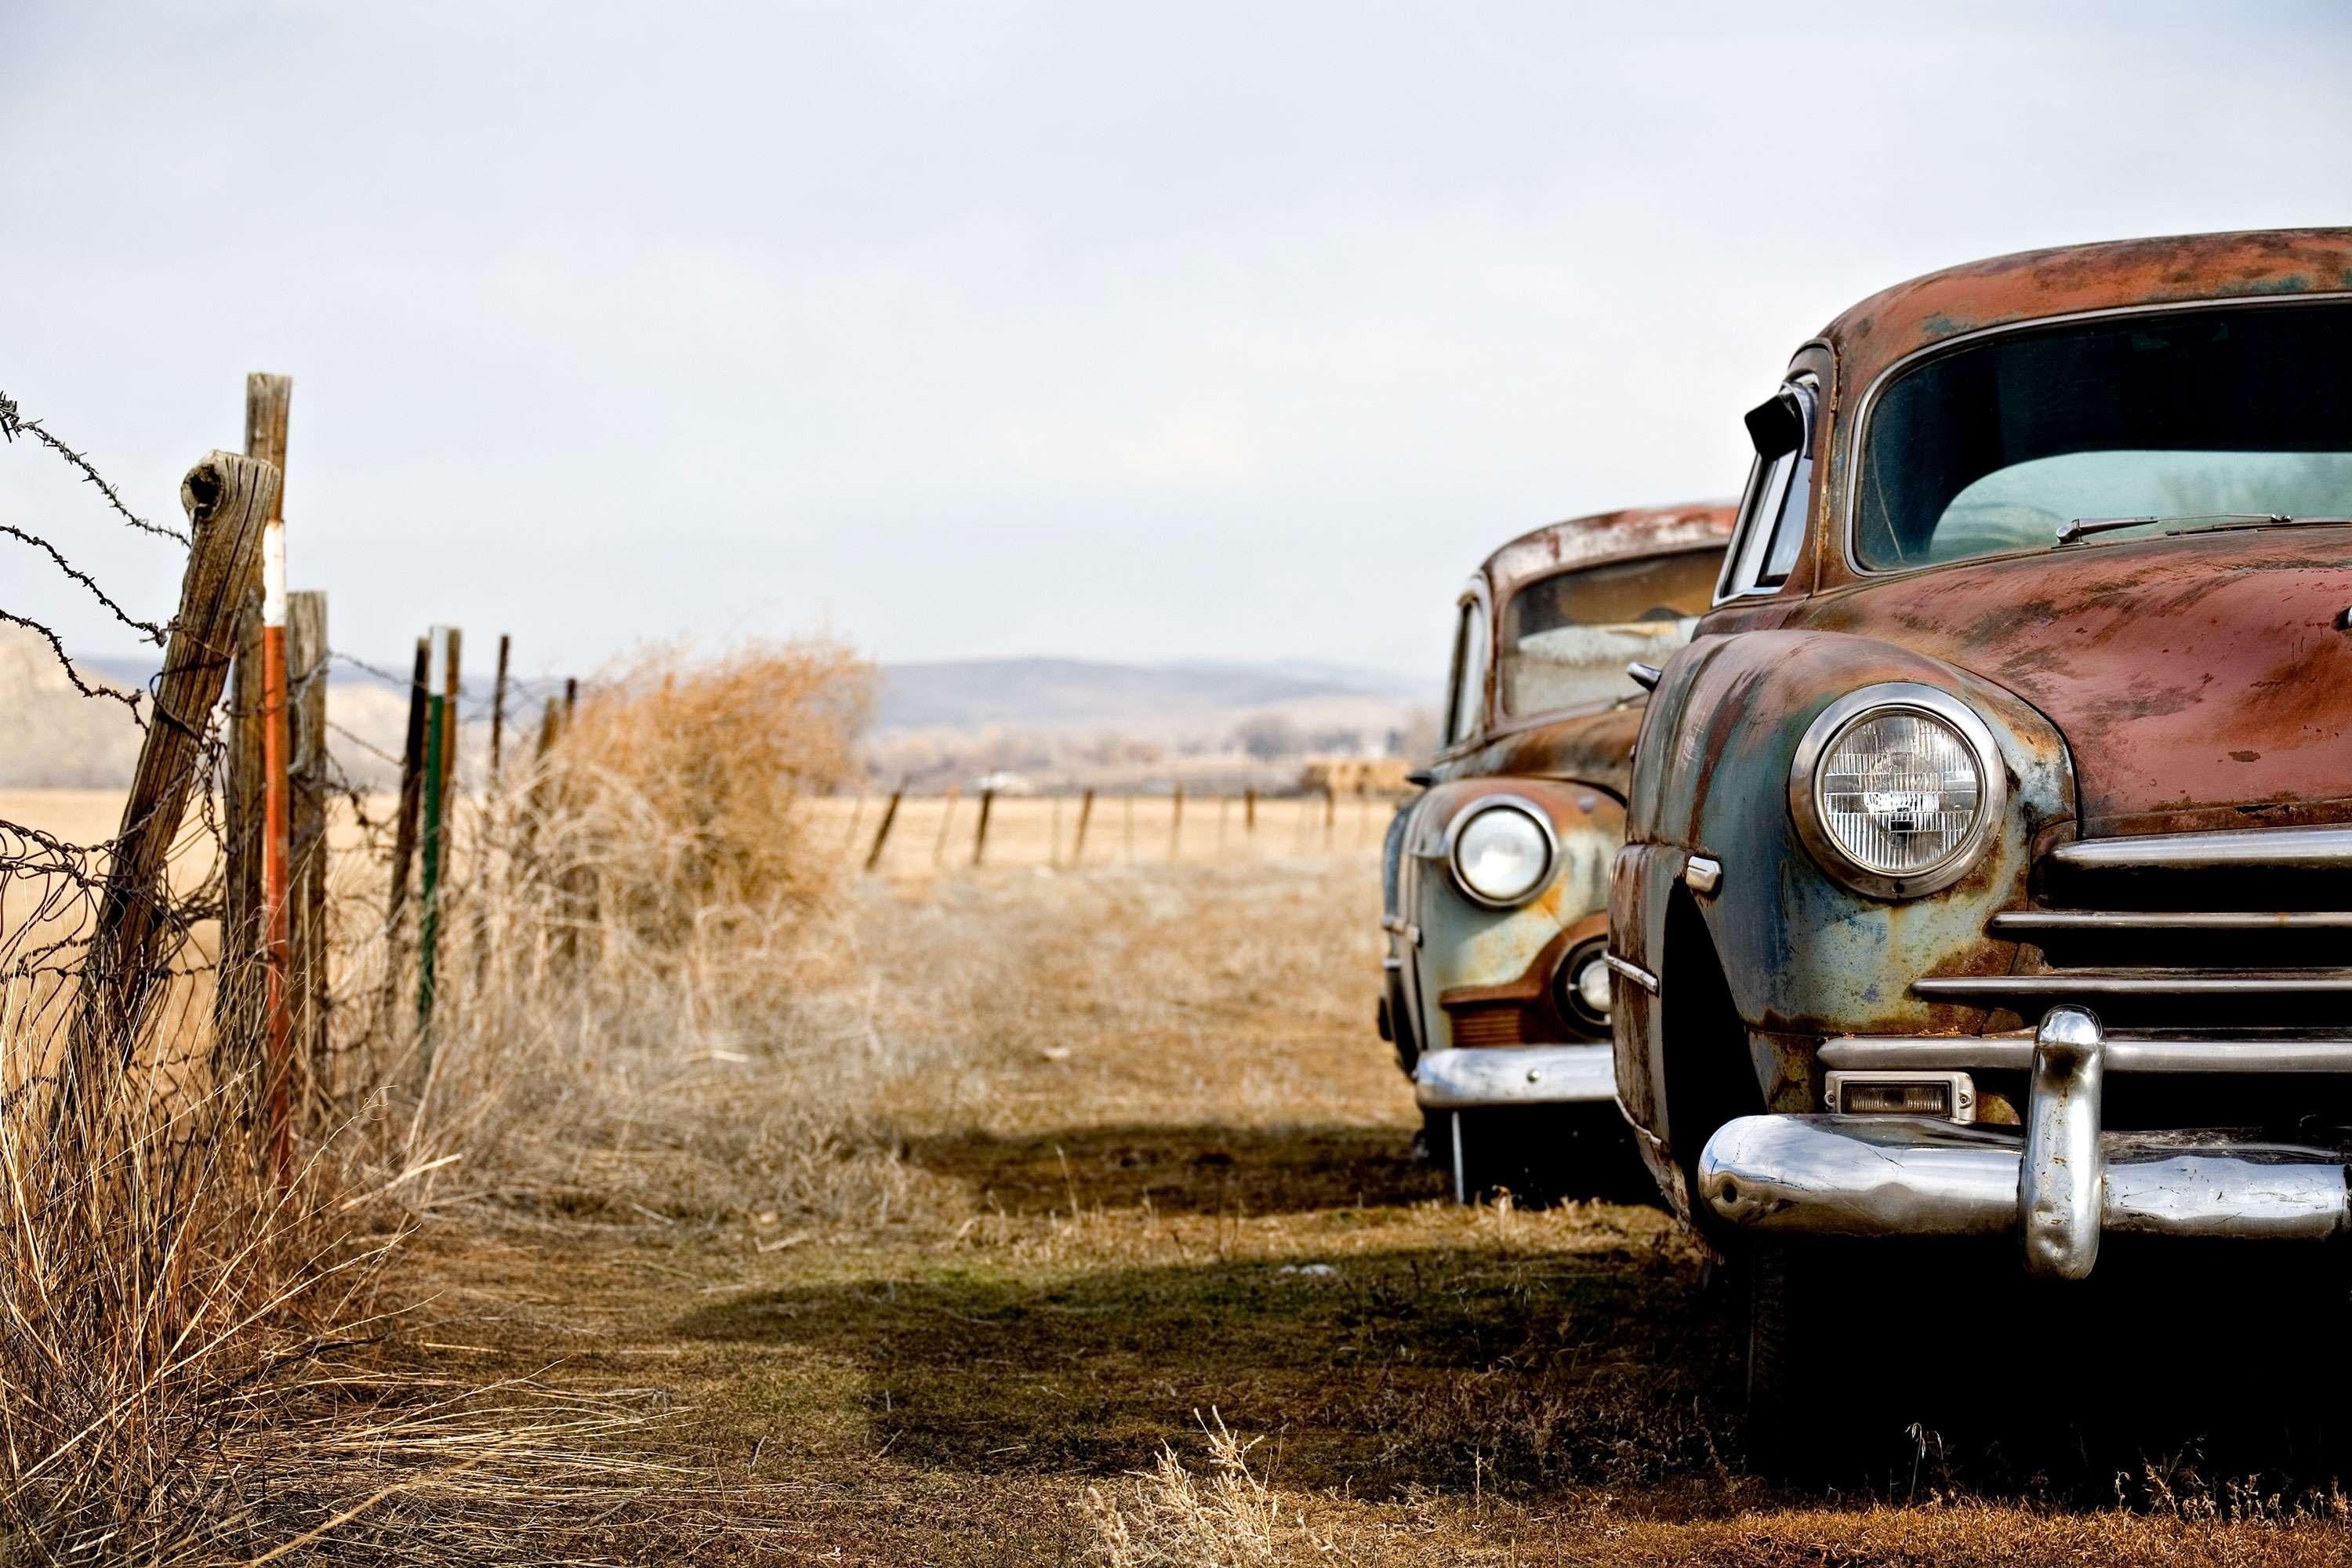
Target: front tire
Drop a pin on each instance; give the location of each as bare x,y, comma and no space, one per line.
1785,1302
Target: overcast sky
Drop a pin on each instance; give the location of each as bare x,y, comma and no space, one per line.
1123,331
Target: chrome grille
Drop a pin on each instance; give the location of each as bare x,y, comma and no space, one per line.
2241,931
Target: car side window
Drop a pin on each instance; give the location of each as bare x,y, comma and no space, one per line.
1771,528
1467,695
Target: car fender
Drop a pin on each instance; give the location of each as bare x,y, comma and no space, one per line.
1467,952
1803,954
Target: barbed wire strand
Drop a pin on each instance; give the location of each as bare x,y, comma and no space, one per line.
12,424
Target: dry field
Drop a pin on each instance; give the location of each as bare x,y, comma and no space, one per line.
1015,1215
1114,1167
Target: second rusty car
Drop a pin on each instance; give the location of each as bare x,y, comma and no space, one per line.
1989,869
1496,876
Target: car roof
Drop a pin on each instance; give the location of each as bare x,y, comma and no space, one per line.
2033,284
1621,535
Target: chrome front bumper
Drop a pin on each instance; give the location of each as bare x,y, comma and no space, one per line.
2058,1186
1514,1075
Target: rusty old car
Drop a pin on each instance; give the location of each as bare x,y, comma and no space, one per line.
1496,876
1989,862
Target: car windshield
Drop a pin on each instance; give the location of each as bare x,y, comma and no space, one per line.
1568,637
2176,416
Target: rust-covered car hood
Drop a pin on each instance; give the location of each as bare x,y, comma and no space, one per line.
1594,748
2200,679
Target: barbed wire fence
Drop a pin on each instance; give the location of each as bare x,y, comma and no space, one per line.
184,1000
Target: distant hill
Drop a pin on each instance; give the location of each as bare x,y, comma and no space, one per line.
972,693
57,736
1055,719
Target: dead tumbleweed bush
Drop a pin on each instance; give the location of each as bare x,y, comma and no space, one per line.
638,1014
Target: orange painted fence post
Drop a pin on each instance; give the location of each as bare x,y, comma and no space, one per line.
277,844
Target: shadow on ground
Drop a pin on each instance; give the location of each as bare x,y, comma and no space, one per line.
1199,1168
1439,1366
1603,1357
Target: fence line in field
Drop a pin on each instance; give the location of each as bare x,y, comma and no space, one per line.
930,834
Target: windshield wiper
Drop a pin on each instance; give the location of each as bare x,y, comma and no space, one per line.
2082,527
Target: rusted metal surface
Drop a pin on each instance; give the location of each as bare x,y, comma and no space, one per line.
2200,679
1801,953
1469,954
2191,683
1453,962
1625,535
2032,285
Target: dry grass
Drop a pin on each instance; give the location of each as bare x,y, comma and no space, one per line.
1147,1160
761,1211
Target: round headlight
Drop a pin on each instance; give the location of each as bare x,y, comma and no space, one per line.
1593,986
1501,850
1896,788
1580,987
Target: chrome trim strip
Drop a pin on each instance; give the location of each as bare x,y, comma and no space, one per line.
2125,1054
1513,1075
1702,873
2032,921
2318,848
1852,486
2093,983
1854,708
1633,971
1926,1053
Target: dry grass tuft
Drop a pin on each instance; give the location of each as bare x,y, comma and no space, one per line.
162,1302
1169,1518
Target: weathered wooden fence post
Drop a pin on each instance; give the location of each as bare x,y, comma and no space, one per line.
882,833
498,708
940,845
452,688
1053,834
1078,844
980,833
1330,813
228,499
857,817
306,675
1249,809
405,824
1176,823
267,402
